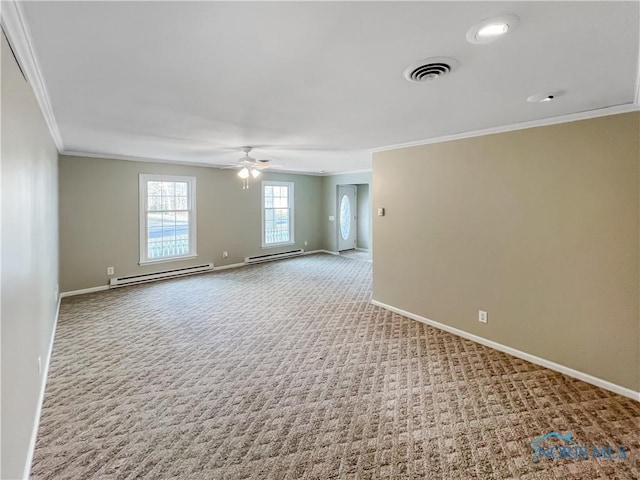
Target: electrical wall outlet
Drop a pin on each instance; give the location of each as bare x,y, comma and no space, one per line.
483,317
331,218
306,243
110,270
225,254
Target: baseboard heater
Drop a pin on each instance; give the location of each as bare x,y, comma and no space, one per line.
273,256
149,277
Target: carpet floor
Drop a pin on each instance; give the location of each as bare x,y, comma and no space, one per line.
286,371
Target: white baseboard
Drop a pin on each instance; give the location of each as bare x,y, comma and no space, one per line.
598,382
362,249
312,252
227,267
84,290
43,386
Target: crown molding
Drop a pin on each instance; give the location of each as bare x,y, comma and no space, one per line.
572,117
133,158
15,26
347,172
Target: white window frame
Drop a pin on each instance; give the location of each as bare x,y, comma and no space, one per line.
143,197
290,196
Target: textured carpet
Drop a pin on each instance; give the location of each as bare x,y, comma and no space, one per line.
285,371
357,255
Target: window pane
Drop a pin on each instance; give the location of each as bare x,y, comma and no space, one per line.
181,189
153,188
154,234
154,220
269,215
154,203
168,218
168,188
181,203
154,249
345,217
268,190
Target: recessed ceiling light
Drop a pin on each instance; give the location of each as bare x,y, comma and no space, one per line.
542,97
490,29
493,30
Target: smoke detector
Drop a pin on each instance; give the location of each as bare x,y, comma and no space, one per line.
430,69
543,97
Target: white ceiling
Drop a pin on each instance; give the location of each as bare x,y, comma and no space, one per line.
316,84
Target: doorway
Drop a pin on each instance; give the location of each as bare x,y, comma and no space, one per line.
347,217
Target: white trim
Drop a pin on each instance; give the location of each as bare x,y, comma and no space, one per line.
190,163
291,200
328,252
227,267
143,179
43,386
83,291
18,33
598,382
362,249
133,158
347,172
572,117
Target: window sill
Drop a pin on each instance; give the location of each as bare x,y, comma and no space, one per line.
167,259
275,245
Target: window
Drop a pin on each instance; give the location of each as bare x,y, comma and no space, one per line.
277,213
167,218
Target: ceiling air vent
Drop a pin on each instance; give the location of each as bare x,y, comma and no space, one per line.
430,69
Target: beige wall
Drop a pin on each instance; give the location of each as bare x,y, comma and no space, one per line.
29,260
99,217
540,227
330,195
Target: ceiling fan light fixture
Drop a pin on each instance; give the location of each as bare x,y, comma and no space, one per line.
255,173
243,173
491,29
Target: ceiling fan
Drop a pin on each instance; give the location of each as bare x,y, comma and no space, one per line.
250,167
